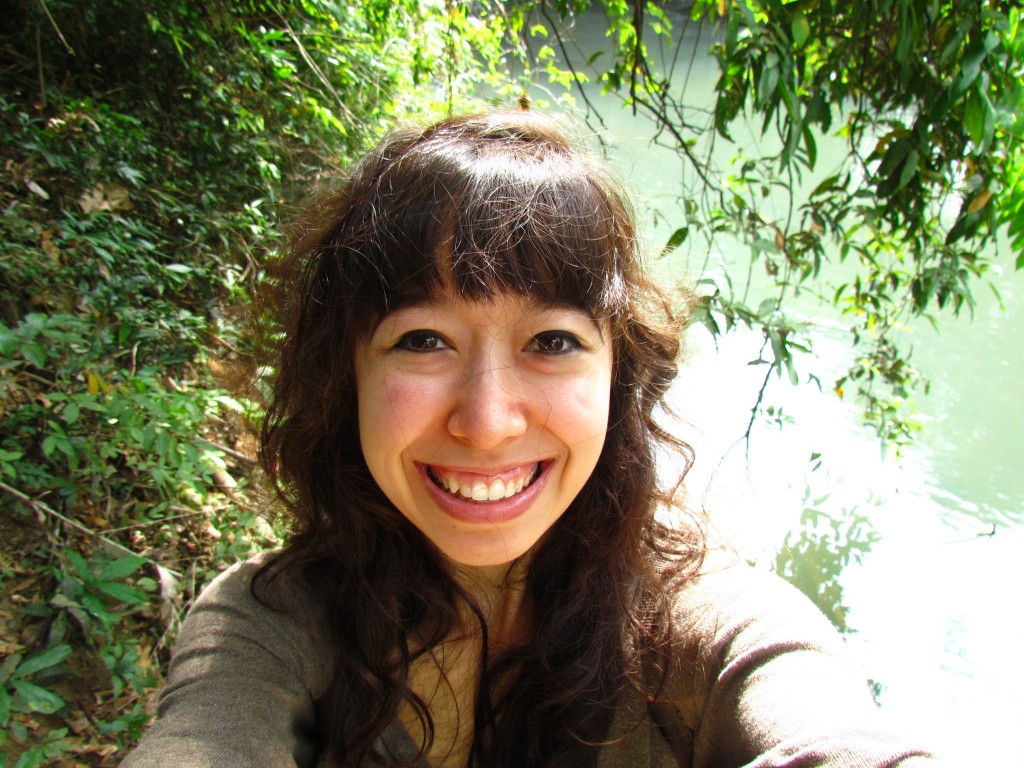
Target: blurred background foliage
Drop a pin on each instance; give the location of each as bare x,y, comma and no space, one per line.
150,151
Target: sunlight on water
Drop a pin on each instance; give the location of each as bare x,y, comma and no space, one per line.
934,602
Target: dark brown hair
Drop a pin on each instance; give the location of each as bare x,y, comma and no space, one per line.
481,205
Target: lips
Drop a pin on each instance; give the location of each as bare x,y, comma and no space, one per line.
484,488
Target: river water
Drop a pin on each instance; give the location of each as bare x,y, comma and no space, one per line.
931,604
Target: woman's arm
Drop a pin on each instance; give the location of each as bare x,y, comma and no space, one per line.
241,686
769,682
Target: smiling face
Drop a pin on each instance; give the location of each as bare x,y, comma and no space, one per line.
482,421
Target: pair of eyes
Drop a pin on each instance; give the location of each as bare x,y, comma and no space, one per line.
546,343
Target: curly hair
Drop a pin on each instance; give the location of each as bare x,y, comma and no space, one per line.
483,205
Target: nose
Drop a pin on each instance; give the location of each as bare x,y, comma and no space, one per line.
491,406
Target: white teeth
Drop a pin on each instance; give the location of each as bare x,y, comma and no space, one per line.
482,491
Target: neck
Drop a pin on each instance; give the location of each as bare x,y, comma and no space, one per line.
499,592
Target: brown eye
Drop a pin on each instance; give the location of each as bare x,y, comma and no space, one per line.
421,341
555,343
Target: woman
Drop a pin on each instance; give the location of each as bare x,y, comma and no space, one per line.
463,433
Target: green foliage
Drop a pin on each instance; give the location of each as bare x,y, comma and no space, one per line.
148,151
97,434
813,558
926,99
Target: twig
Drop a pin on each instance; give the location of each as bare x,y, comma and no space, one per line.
568,62
42,510
188,513
39,65
229,451
339,102
638,56
60,35
749,433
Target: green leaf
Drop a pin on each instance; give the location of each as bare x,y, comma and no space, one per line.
71,413
5,707
80,564
7,668
122,567
35,354
38,699
801,30
122,592
676,239
51,657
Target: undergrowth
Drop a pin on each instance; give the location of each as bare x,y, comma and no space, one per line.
147,151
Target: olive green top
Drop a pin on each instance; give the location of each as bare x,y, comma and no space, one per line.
772,686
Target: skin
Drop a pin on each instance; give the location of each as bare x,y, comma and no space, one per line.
478,392
510,390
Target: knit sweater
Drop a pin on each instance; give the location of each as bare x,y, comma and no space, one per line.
770,687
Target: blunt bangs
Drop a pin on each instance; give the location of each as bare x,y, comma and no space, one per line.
475,218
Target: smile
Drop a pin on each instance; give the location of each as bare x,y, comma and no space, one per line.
478,488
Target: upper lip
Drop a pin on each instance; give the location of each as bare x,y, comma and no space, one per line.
483,472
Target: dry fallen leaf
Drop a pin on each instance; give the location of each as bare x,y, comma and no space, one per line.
105,197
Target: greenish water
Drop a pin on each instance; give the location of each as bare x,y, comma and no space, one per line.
933,605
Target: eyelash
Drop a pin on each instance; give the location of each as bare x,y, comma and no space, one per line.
406,342
568,341
423,341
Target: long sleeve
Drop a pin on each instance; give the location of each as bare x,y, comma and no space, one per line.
768,684
241,686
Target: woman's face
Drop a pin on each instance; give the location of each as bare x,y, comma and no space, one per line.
481,422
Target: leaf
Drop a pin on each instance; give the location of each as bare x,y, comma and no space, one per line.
51,657
801,30
122,592
105,197
5,707
122,567
37,698
827,185
676,239
8,667
35,189
979,119
80,564
35,354
980,201
71,413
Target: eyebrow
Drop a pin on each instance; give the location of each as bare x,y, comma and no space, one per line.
538,304
535,304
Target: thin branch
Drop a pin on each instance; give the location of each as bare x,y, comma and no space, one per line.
42,511
316,69
748,433
60,35
568,62
229,451
638,55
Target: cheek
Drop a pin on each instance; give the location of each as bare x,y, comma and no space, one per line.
394,410
580,412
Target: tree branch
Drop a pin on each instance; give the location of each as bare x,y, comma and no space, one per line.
60,35
42,511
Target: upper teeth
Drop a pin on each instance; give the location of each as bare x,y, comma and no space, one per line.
481,491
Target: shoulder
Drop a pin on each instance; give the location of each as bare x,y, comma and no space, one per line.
259,603
244,676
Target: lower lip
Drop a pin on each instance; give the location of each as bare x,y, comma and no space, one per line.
498,511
